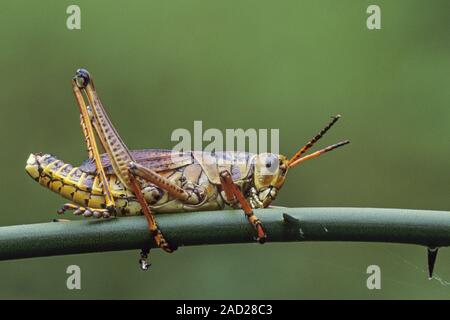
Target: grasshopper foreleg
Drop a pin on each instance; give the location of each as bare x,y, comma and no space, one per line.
232,192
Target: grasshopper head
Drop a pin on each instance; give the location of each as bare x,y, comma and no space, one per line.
269,175
270,169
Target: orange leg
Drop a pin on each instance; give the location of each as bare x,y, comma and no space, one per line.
152,226
233,192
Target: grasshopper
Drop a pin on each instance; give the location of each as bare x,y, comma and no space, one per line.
121,182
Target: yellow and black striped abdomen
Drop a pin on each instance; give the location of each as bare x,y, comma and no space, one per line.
80,187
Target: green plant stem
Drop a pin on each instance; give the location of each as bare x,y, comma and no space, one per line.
428,228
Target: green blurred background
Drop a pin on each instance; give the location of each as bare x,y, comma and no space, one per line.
160,65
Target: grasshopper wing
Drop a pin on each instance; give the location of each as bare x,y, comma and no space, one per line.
155,159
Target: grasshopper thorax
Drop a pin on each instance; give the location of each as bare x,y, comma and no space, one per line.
268,177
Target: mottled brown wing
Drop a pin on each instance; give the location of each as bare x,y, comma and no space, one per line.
155,159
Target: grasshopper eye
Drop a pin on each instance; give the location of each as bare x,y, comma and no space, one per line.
82,77
270,161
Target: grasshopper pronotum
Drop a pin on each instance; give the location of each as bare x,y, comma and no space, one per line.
123,182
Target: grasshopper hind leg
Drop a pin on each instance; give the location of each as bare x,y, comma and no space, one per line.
96,120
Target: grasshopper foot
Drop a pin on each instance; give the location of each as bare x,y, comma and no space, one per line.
257,225
86,212
162,243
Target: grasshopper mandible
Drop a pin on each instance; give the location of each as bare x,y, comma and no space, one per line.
121,182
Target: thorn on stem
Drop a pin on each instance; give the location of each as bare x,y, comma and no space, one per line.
288,219
432,254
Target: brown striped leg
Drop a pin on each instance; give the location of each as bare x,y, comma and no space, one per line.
114,146
232,192
86,137
191,196
91,143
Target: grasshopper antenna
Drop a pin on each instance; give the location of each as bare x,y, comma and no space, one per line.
318,153
316,138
